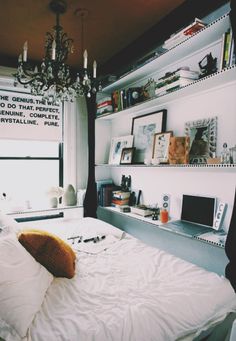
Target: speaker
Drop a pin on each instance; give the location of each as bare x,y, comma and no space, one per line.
166,202
219,216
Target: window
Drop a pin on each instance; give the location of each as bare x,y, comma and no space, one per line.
28,169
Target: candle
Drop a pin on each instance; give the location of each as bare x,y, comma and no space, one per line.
25,49
20,58
94,69
54,50
85,59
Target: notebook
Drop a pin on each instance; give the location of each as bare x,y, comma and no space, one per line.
197,216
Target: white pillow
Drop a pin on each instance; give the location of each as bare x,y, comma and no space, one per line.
7,224
23,285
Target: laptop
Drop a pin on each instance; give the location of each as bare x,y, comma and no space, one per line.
197,216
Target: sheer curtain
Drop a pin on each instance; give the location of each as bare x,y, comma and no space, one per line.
76,143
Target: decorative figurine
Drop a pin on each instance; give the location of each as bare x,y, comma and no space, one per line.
207,65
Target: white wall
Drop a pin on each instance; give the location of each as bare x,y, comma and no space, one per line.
154,181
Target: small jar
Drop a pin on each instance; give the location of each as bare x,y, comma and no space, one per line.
164,216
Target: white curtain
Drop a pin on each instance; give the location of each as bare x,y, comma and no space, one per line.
76,144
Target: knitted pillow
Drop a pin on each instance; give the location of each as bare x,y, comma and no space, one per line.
50,251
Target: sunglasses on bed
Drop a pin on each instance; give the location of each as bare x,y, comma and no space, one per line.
80,239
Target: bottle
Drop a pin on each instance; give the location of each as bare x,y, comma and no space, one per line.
164,215
225,155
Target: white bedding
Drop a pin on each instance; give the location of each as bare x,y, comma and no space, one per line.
127,291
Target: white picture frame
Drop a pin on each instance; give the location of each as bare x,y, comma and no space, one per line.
160,152
117,145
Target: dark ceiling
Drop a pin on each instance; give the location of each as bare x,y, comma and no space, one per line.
109,27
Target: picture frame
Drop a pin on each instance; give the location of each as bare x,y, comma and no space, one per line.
160,151
203,138
117,145
127,156
179,150
143,129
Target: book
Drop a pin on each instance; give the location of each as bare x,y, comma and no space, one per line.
232,53
141,210
120,195
227,48
181,35
173,86
104,103
105,109
195,27
99,184
106,194
227,39
119,202
115,100
182,72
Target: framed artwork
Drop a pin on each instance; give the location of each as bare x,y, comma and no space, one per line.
127,156
161,147
203,136
143,129
179,150
117,145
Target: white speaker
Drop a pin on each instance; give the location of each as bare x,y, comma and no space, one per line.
219,216
166,201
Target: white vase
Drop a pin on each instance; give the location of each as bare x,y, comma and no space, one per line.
53,202
69,197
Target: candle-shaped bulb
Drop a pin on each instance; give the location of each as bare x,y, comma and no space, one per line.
25,50
20,58
85,59
94,69
54,50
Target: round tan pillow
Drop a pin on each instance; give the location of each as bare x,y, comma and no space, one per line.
50,251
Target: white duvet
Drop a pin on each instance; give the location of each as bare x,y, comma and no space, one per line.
128,291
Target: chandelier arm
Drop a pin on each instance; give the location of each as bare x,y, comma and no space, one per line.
30,74
53,79
26,82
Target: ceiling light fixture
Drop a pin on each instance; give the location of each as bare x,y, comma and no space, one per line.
53,79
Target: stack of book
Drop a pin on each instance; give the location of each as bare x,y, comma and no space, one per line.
180,36
227,58
104,105
174,80
104,191
142,210
120,198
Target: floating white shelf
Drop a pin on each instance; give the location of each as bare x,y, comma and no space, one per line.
218,79
206,36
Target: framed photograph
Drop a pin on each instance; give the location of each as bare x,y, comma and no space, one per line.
160,152
179,150
127,156
203,136
117,145
143,129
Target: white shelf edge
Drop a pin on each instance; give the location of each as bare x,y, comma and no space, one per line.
218,166
41,210
157,224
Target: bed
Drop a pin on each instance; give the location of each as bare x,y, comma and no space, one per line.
122,289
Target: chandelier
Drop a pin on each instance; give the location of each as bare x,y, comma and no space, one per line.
53,79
